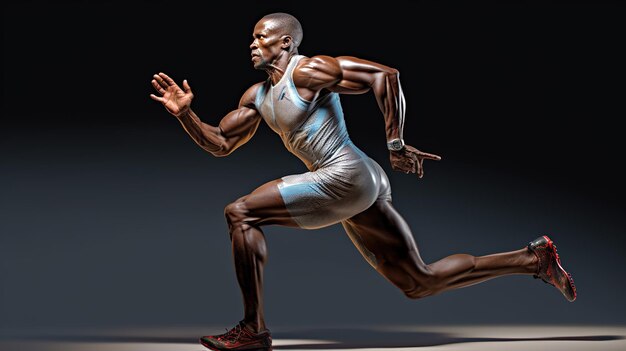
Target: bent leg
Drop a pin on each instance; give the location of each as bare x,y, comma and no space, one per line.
385,240
264,206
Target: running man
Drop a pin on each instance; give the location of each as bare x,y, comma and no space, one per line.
300,101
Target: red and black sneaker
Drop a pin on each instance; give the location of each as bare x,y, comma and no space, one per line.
549,267
238,338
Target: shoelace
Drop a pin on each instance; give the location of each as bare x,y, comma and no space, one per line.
231,335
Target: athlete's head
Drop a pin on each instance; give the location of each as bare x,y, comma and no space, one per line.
274,35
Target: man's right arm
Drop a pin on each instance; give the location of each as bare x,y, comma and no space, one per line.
234,130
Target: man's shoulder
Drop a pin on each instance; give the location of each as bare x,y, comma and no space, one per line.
324,64
254,88
249,97
317,60
317,72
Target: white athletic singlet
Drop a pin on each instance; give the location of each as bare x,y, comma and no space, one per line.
342,180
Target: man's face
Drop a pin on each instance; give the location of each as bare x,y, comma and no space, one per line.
266,44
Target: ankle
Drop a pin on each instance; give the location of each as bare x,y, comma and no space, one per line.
254,326
533,262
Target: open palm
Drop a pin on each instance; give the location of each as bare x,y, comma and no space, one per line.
175,100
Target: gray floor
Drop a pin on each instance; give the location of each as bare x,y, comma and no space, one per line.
397,338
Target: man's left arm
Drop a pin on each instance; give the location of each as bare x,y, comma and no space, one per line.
359,76
352,75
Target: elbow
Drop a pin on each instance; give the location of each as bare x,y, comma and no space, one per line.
392,72
221,150
218,153
389,76
219,146
385,77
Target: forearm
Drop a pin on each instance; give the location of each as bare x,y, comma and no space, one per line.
391,101
208,137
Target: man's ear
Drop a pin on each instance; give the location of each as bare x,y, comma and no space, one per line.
287,41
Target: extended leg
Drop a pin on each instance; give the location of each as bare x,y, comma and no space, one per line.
386,241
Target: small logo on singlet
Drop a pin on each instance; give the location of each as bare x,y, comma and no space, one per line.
283,94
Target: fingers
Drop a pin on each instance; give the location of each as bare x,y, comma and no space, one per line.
164,80
405,166
157,98
420,168
158,87
405,170
167,78
161,81
409,167
429,156
417,166
186,86
412,161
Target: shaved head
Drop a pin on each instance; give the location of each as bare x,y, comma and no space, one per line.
287,24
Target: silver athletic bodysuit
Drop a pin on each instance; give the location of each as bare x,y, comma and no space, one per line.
342,180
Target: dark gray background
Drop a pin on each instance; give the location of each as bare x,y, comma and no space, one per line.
111,215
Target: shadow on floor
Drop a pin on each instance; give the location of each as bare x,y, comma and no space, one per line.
331,338
372,338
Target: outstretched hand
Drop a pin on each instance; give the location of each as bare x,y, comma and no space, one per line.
410,160
175,100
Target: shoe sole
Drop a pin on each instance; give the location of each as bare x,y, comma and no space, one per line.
237,349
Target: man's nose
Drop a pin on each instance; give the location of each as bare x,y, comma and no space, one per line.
253,45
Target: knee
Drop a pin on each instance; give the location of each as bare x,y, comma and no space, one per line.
235,212
418,293
426,286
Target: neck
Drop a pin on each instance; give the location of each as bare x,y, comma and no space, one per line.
276,69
